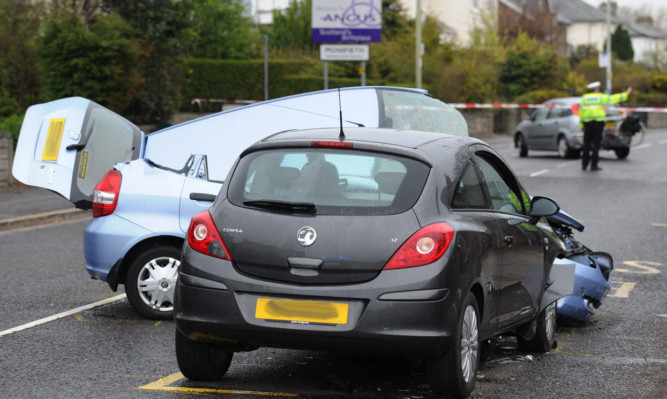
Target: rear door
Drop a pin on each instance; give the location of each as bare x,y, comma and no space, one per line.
67,145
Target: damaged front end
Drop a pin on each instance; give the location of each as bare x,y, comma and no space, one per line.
592,277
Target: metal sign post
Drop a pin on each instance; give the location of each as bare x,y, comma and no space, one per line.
344,52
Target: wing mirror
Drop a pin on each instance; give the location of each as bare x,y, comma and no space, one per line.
542,206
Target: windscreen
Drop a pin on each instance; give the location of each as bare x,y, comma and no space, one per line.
405,110
327,181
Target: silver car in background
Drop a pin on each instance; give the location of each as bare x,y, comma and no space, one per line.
551,129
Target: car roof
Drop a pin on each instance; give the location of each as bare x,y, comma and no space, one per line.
564,100
395,137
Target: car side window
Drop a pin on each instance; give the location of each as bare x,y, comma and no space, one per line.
503,197
556,113
469,192
540,114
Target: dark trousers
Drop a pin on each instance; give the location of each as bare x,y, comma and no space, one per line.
592,140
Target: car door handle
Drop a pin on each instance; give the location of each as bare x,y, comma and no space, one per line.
202,197
509,240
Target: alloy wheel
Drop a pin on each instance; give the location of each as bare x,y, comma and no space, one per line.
469,344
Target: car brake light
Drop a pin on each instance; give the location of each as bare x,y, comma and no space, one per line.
424,247
105,194
203,236
332,144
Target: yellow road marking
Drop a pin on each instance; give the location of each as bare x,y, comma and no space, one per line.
659,224
640,266
622,291
164,384
559,351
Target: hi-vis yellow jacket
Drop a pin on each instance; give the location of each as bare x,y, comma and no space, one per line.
592,103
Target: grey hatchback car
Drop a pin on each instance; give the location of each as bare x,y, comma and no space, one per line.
414,244
553,128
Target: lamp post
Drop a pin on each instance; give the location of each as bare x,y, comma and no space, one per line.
418,45
608,49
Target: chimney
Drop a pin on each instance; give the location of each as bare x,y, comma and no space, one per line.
613,6
645,20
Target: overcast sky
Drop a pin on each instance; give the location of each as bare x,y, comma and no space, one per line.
634,4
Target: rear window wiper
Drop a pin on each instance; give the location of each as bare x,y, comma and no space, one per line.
283,206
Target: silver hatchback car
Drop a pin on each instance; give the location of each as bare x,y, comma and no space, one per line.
551,129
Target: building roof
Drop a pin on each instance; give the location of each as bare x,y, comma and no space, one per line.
640,30
580,11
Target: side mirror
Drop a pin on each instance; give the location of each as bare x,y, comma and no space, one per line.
540,207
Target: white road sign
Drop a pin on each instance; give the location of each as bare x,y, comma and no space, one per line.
344,52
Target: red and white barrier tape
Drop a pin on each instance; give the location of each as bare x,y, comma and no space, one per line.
574,108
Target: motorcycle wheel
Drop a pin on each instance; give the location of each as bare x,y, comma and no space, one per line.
622,153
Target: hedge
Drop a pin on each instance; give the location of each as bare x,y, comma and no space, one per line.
244,80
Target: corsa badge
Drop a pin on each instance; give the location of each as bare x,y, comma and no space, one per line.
306,236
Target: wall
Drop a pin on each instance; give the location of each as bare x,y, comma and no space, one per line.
485,123
6,153
657,121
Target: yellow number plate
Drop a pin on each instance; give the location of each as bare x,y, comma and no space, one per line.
53,137
302,311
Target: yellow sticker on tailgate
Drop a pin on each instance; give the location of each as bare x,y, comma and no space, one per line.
301,311
53,137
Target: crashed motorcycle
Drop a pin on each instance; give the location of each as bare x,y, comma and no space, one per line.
620,131
592,278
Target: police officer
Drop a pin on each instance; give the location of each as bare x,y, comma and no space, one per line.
591,118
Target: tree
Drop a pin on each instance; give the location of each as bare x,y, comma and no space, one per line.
292,30
394,21
19,75
531,65
164,30
621,44
222,30
98,63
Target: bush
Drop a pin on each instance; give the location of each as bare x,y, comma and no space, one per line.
97,63
244,80
12,124
540,96
651,99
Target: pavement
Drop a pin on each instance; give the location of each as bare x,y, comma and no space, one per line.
25,206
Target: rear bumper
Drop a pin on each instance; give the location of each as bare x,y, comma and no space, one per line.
106,240
412,318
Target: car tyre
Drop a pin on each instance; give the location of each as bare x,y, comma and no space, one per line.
622,153
543,341
454,372
564,150
201,361
151,280
521,143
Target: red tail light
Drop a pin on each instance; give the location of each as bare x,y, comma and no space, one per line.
105,194
425,246
203,236
332,144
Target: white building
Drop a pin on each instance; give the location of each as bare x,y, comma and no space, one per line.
262,10
457,18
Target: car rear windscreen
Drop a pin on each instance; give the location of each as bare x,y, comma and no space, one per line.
329,181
